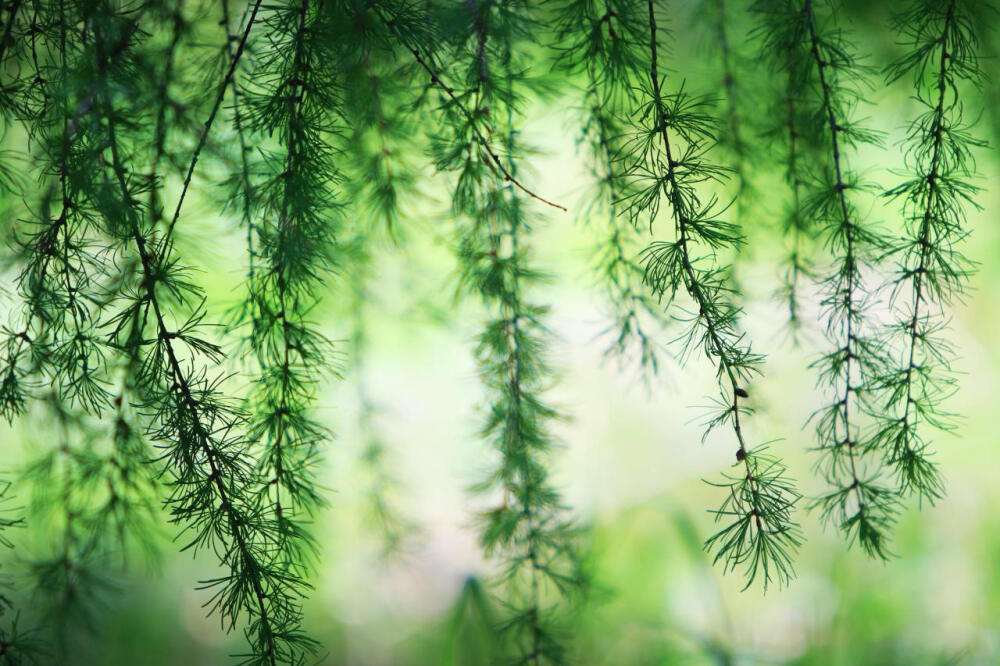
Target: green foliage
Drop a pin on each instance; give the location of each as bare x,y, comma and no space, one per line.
317,127
608,54
824,71
931,270
527,528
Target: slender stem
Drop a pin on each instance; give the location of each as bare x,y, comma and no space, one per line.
850,258
162,95
494,160
241,135
180,380
694,287
932,177
203,139
796,183
290,163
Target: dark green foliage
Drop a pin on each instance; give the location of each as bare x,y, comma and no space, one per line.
931,271
609,54
665,162
831,81
526,529
294,223
670,162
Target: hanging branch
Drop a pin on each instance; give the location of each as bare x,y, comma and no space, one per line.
760,535
931,270
718,15
105,497
296,222
378,178
241,188
131,488
795,224
212,492
69,582
803,147
97,482
58,278
610,55
637,315
528,532
94,503
860,505
243,191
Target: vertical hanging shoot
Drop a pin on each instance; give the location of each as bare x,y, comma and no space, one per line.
67,578
931,270
611,57
790,127
671,165
528,531
93,496
240,183
212,478
91,504
719,15
63,274
380,181
163,80
295,223
860,504
94,505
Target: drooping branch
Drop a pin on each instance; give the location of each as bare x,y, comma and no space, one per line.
212,480
526,530
931,268
480,135
760,535
860,504
608,55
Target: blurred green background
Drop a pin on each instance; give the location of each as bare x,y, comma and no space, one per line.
632,463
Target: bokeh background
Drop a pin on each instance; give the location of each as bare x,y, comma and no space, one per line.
632,461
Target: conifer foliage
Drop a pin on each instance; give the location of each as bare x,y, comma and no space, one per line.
931,270
310,126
